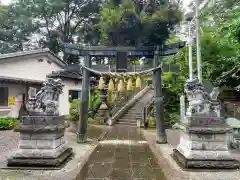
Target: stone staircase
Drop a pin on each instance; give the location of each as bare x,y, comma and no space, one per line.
135,113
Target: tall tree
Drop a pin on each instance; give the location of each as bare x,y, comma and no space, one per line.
137,22
15,29
69,20
220,46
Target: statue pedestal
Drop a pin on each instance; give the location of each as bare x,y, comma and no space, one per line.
41,142
204,144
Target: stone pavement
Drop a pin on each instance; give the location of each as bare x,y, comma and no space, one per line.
172,171
123,155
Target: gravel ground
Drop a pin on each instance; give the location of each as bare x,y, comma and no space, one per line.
9,142
171,169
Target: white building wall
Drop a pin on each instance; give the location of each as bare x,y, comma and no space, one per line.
14,90
31,68
28,68
64,104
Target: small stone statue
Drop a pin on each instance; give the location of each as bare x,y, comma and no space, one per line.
201,103
45,101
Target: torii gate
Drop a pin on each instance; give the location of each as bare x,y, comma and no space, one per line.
121,54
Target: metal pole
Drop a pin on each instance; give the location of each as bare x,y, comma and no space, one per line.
160,129
199,63
190,52
84,101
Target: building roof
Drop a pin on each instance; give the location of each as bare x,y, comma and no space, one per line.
23,80
66,74
56,59
229,78
70,71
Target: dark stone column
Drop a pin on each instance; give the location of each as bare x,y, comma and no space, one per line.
160,129
84,101
121,66
121,62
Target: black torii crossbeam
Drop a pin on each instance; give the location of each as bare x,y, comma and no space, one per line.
121,54
107,51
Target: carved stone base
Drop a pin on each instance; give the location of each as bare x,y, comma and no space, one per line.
39,161
41,142
205,147
204,163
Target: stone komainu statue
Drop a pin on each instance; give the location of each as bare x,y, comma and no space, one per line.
201,103
46,100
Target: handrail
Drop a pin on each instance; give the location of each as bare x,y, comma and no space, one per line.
146,110
116,106
127,105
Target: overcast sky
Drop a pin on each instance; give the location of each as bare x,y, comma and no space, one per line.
5,1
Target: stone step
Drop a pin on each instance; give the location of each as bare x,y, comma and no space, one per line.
135,110
125,117
128,123
132,115
128,119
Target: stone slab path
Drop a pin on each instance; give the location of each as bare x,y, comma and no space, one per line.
123,155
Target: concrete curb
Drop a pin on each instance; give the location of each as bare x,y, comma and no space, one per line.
81,165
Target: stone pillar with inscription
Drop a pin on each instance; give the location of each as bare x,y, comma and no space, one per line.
182,108
42,142
204,132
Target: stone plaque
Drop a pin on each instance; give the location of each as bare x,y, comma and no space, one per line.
205,121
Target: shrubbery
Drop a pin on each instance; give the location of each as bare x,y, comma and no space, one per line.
7,123
74,110
171,101
94,104
171,106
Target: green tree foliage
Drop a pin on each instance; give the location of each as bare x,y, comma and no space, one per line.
94,104
74,110
135,23
69,20
94,100
220,50
220,45
220,38
15,29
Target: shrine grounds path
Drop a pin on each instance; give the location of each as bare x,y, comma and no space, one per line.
123,155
